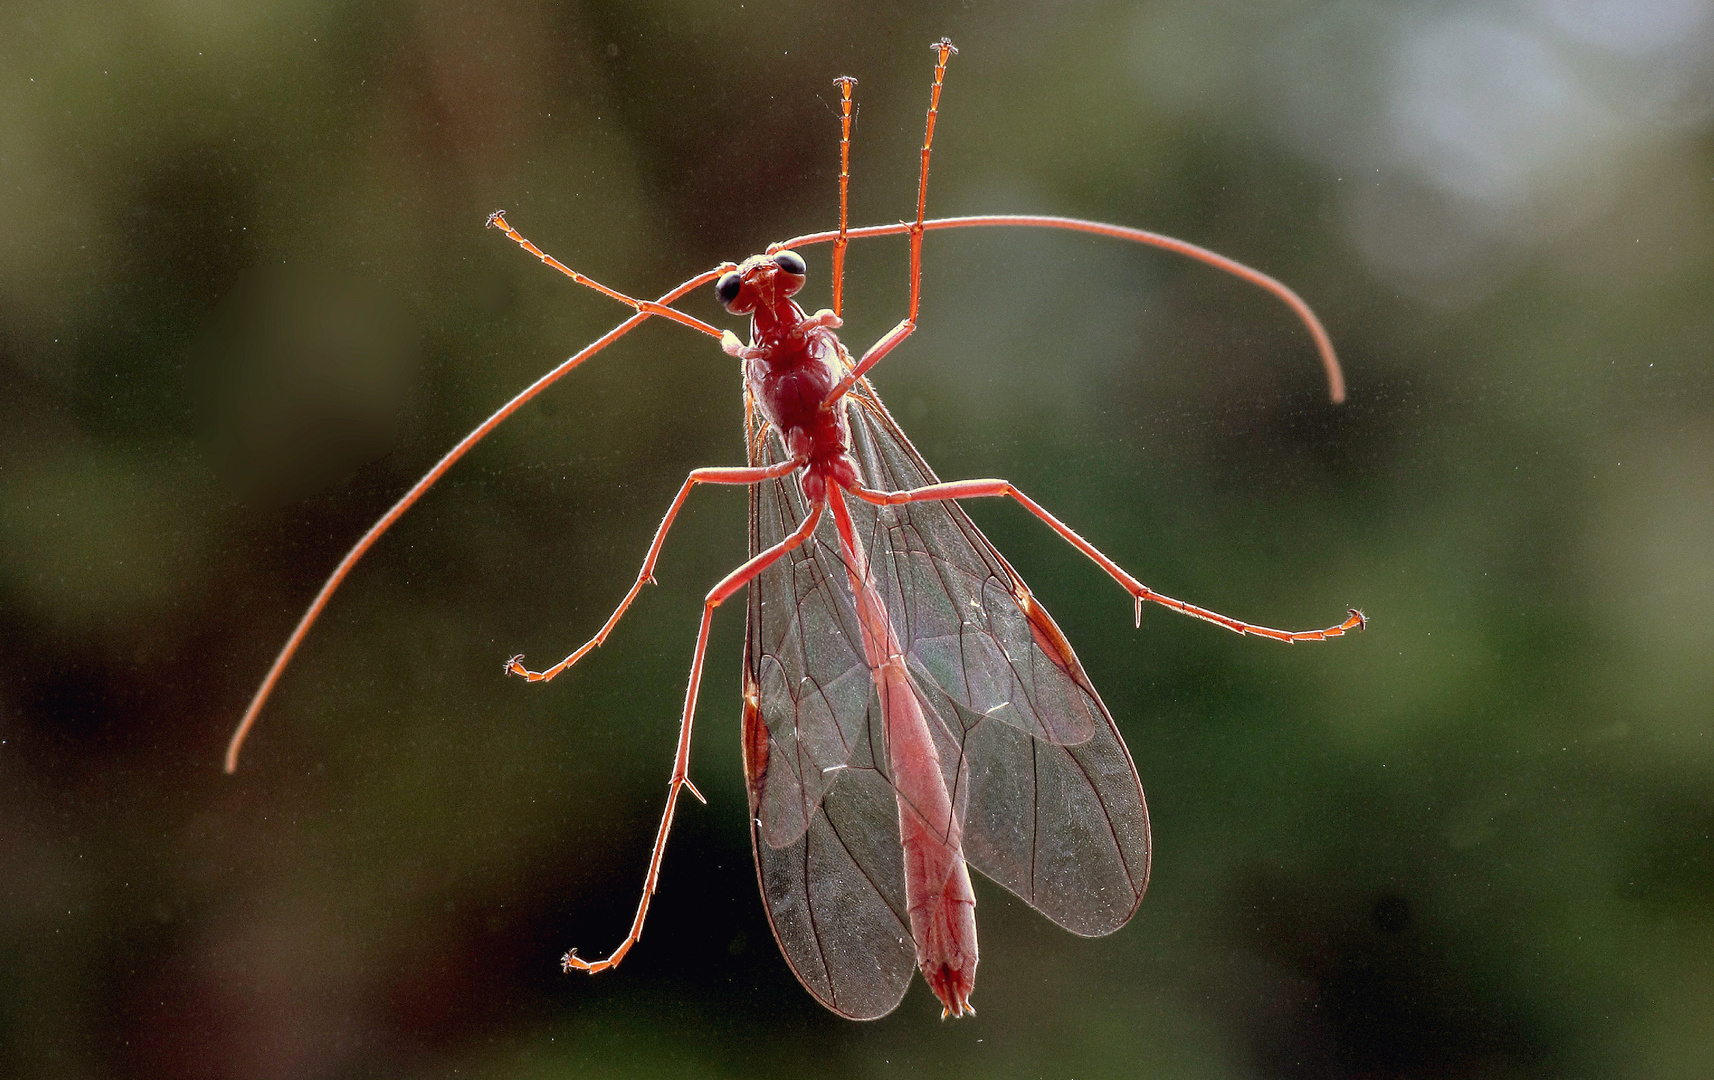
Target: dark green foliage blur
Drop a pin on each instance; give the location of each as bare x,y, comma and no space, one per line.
246,297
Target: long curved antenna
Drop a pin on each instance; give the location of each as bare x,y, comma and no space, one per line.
1323,343
645,310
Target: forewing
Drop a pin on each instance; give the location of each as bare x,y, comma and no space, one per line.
955,602
1050,802
836,894
804,656
823,816
1056,812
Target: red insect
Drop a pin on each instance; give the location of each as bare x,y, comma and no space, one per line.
909,708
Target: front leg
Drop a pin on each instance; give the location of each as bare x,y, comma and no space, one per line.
515,666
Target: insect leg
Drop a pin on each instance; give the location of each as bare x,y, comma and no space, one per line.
734,581
881,348
944,51
976,489
645,576
845,83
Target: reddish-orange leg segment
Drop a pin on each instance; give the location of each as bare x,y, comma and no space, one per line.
908,324
646,575
979,489
734,581
845,83
943,48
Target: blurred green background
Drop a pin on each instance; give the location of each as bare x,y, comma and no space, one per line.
246,298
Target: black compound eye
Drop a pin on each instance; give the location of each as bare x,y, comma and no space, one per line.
727,287
791,262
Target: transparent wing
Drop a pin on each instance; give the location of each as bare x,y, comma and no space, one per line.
824,819
835,893
1054,810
